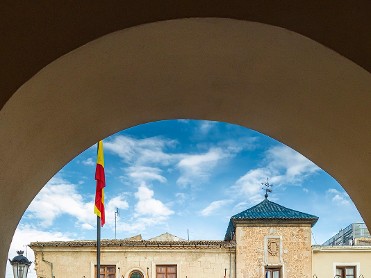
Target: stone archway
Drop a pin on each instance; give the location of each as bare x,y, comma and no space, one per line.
259,76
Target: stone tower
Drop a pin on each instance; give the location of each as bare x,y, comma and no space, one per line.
272,241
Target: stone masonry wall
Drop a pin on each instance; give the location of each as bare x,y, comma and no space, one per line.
295,256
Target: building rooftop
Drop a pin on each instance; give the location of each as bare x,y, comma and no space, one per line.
163,240
136,243
268,211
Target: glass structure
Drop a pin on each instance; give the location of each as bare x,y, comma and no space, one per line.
348,235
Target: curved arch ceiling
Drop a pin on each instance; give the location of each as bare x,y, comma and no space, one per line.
262,77
34,35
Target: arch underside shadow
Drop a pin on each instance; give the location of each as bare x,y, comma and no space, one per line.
262,77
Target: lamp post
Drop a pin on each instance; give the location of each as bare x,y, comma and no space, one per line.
20,265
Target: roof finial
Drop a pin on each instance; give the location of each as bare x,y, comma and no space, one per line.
266,187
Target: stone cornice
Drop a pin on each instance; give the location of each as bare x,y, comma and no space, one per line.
320,248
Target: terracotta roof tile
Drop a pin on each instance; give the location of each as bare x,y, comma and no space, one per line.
136,243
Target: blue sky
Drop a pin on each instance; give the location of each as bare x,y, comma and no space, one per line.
179,175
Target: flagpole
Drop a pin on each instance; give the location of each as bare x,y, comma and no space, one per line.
99,198
98,247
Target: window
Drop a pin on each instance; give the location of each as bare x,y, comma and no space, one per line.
136,274
346,271
106,271
272,273
166,271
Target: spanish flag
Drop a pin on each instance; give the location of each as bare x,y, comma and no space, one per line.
101,183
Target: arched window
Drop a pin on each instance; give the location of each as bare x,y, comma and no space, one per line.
136,274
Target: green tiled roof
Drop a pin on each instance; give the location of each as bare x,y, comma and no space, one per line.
271,210
267,210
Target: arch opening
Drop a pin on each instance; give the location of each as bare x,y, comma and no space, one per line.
169,177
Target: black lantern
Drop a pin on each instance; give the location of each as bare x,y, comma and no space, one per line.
20,265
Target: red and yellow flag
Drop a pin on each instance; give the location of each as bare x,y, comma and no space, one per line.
101,183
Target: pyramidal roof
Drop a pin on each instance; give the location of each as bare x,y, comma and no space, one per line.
268,211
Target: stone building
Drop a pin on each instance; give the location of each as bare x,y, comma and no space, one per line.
267,240
272,239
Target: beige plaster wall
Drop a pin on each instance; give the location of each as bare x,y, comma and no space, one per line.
325,260
79,262
295,250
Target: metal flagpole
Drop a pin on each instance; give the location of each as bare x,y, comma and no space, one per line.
98,247
99,198
116,214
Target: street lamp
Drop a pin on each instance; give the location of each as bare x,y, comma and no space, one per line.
20,265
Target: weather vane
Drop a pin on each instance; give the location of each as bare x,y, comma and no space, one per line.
266,187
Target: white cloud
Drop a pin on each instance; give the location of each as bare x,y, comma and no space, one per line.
198,167
141,151
240,206
288,166
206,126
60,197
89,162
283,166
23,236
147,157
117,202
148,212
147,205
140,224
237,145
338,197
180,197
250,186
87,226
145,174
213,207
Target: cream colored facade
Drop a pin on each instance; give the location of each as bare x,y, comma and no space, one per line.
254,248
204,258
246,256
266,239
200,259
327,258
